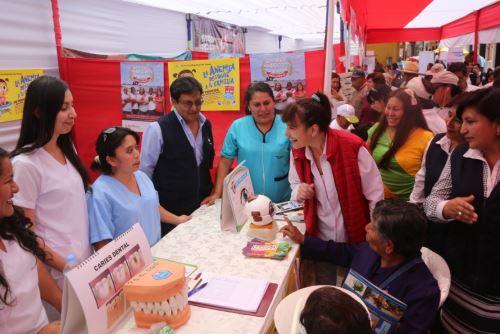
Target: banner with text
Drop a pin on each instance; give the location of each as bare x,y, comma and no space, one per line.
13,86
220,79
215,36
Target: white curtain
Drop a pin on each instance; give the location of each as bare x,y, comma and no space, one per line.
487,36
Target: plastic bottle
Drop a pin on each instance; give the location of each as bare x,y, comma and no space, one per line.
71,262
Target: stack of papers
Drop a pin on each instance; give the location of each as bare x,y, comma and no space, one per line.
265,249
231,292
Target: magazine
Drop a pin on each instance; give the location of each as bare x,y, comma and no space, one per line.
265,249
385,310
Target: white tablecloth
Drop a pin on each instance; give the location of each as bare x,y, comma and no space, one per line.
201,242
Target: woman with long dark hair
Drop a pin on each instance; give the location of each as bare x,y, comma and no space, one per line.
52,178
23,279
398,143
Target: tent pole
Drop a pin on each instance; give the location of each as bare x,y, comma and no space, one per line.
58,38
328,47
476,37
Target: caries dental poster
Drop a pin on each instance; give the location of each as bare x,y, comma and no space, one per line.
93,297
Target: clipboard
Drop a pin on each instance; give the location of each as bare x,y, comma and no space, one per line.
261,311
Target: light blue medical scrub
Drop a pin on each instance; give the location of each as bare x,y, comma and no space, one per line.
267,156
113,209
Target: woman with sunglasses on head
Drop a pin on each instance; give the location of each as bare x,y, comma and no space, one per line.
467,199
259,139
24,280
52,179
123,195
398,142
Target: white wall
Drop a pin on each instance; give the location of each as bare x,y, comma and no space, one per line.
26,41
115,26
257,41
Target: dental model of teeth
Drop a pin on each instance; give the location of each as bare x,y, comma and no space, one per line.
159,293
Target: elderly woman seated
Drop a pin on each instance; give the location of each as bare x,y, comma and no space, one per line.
391,254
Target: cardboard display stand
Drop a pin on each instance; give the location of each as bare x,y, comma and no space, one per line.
236,188
93,298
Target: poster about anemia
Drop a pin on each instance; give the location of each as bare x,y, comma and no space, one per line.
142,93
220,79
13,86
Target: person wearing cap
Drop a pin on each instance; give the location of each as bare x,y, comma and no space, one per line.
394,238
410,71
358,80
423,90
398,142
334,174
445,88
436,68
345,118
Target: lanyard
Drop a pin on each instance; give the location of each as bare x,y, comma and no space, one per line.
407,266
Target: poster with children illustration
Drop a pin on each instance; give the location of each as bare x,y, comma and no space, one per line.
13,86
142,93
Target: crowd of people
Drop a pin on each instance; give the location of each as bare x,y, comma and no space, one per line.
395,169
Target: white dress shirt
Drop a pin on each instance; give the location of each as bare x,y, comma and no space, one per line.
417,195
330,219
152,143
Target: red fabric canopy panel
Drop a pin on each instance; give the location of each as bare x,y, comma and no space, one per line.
95,85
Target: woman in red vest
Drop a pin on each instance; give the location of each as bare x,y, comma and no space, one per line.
333,173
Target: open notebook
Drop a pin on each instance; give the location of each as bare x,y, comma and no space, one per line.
232,292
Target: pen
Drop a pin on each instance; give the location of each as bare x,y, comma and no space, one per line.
195,290
197,283
197,276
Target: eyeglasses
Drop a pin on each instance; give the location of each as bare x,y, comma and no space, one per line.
190,104
107,132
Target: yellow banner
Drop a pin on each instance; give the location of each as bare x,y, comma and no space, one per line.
13,86
220,79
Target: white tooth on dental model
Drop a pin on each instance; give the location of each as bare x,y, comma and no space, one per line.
142,306
134,305
180,301
173,304
166,308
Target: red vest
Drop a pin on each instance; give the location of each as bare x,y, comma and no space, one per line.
342,153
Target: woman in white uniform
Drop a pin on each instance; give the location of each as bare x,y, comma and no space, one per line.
51,177
22,285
